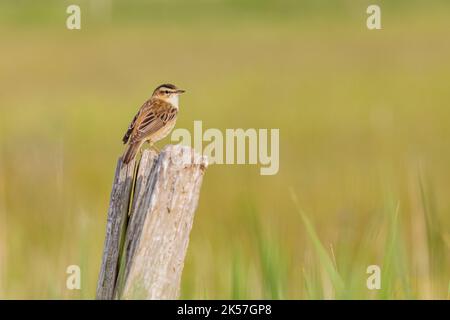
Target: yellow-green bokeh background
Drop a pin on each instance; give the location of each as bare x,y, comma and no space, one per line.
364,119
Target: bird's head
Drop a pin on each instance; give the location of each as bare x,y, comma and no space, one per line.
169,93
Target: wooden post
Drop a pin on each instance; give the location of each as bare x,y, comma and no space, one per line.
144,251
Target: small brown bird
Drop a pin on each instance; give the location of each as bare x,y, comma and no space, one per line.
154,120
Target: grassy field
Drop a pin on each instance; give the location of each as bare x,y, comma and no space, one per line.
364,123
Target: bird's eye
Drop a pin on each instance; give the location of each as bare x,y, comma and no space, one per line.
166,92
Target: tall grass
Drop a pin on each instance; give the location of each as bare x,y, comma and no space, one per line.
396,270
321,273
324,256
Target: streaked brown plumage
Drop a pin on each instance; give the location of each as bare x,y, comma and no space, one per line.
154,120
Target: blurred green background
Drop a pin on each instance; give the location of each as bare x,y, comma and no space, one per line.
364,119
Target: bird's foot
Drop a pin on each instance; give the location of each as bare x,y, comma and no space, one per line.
155,148
152,146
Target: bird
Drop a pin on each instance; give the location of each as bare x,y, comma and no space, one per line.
154,120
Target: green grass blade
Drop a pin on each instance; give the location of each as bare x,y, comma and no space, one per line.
324,258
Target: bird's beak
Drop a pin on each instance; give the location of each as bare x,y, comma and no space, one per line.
180,91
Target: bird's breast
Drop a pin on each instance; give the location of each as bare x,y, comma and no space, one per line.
164,131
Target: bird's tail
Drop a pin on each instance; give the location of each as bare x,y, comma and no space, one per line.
130,152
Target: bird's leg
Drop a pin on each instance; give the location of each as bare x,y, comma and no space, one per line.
152,146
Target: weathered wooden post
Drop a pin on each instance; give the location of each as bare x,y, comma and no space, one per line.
146,240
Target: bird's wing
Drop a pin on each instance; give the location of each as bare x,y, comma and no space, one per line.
130,129
152,119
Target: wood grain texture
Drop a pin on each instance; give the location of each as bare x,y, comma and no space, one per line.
115,227
165,198
142,194
167,212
